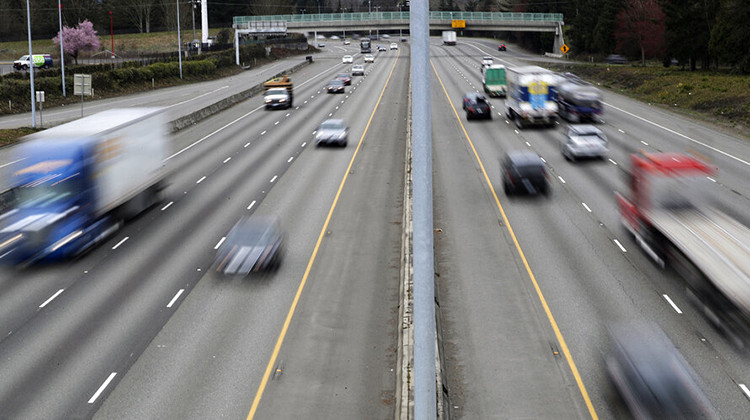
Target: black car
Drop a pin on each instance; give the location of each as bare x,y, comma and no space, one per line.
616,59
335,86
501,47
651,376
344,77
476,105
253,244
523,171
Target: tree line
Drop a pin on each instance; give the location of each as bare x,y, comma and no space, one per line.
696,33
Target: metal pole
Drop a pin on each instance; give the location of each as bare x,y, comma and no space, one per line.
31,65
112,33
425,399
192,9
179,39
62,54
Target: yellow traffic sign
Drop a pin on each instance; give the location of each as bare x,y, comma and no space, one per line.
455,23
564,48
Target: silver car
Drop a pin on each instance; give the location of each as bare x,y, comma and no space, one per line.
332,132
358,70
253,244
584,141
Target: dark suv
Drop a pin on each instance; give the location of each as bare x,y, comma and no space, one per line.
524,172
476,105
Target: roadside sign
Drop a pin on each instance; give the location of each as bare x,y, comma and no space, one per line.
564,48
82,84
458,23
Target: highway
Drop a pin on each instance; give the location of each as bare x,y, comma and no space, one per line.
141,327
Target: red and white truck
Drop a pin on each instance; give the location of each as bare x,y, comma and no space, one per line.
672,217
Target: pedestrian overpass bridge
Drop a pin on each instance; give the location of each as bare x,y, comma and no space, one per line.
335,23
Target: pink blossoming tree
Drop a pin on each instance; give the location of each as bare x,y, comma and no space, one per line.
81,38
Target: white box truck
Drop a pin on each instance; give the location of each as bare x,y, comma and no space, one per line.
449,37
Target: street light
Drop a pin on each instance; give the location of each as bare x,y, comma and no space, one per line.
193,10
112,33
377,30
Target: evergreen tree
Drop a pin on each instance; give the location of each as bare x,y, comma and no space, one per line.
730,37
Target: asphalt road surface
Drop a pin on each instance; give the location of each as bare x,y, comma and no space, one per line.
142,327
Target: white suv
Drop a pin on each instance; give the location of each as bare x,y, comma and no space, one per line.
358,70
369,58
394,46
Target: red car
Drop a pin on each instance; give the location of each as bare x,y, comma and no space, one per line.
344,77
501,47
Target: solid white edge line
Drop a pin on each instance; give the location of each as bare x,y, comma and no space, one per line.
200,180
251,205
620,245
103,387
681,135
121,242
221,241
669,300
587,207
51,298
174,299
745,390
167,206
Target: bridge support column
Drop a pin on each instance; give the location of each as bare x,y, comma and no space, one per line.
559,39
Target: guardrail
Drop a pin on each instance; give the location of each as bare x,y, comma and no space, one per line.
403,16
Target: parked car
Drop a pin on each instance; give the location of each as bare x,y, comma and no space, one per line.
321,44
358,70
344,77
584,141
616,59
381,48
369,58
335,86
347,59
523,171
253,244
347,42
476,105
332,132
502,47
394,46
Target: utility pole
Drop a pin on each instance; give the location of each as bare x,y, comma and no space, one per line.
62,53
31,65
192,9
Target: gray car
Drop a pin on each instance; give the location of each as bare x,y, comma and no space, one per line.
584,141
332,132
254,244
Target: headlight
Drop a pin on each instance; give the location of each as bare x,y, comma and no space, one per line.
342,135
268,101
282,100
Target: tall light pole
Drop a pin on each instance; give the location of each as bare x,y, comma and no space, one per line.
112,33
31,65
179,39
192,9
377,30
62,54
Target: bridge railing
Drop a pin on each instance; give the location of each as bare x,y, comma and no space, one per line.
402,16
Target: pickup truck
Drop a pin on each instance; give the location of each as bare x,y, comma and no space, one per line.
278,93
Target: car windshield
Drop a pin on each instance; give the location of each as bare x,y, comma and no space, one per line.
332,125
344,75
276,91
335,83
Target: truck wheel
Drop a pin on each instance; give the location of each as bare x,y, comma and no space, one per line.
509,113
519,122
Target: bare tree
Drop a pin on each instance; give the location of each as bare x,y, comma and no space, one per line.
139,12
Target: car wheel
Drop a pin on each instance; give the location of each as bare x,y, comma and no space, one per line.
507,189
468,116
519,122
509,114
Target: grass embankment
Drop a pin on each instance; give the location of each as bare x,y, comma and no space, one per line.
712,96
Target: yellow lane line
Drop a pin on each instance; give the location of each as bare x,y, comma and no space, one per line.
551,318
290,314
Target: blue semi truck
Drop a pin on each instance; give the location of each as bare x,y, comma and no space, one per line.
578,100
77,183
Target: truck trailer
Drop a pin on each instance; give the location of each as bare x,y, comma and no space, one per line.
449,37
494,80
676,221
532,96
75,184
578,100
